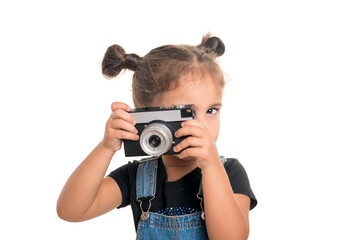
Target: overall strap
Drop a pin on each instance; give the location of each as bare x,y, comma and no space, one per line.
146,183
146,177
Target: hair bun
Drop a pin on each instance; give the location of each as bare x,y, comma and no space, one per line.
115,60
213,45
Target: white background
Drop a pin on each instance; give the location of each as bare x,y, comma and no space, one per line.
291,107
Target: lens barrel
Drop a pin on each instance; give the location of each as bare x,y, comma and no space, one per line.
156,139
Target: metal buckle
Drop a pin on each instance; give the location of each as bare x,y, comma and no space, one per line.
201,205
145,214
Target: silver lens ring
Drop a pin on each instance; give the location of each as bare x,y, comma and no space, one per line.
164,135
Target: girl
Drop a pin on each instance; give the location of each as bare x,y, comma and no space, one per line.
195,194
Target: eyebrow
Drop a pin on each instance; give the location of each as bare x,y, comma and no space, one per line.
216,105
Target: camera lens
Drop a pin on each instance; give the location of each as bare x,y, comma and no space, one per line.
154,141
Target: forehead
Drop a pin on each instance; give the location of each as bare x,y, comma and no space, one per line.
193,90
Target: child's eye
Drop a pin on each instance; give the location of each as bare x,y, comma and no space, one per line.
212,111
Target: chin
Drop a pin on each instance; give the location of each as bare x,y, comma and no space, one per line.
177,157
189,159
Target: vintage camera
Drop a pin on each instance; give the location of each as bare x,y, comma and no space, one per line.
156,127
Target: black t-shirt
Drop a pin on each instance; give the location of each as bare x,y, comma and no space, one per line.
177,197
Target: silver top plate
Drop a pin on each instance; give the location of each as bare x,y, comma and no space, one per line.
166,116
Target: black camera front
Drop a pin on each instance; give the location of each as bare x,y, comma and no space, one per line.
156,127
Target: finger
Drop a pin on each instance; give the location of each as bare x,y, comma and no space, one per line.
121,134
188,142
190,152
189,131
193,123
121,114
124,125
120,105
128,136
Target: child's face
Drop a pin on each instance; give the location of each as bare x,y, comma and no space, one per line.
204,93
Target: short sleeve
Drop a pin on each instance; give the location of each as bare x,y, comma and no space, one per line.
239,180
124,176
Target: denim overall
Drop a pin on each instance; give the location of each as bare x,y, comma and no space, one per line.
158,226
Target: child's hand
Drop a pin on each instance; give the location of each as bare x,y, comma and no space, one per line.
201,144
119,126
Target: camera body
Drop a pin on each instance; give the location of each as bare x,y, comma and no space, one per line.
156,127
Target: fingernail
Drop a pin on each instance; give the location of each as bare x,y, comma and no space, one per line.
183,124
